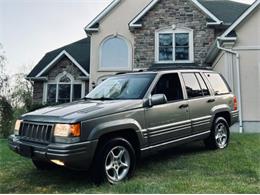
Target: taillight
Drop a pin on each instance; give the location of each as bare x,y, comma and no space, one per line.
235,103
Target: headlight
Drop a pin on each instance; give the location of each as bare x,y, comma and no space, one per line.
66,130
17,126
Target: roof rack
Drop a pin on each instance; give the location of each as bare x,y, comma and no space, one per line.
125,72
160,67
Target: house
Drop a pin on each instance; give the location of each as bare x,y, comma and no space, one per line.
130,35
237,56
62,75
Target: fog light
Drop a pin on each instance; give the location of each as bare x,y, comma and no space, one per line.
58,162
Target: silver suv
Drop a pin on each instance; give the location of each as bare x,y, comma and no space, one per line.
126,117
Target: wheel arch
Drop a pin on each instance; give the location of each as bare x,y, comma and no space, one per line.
127,128
222,111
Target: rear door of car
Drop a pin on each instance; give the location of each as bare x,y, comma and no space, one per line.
171,120
200,101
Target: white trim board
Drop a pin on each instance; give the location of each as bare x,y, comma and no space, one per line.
57,58
101,16
142,13
241,18
252,47
154,2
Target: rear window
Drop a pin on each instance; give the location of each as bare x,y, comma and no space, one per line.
217,83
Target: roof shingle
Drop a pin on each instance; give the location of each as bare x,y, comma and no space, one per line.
225,10
79,50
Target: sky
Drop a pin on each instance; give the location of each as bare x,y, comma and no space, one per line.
31,28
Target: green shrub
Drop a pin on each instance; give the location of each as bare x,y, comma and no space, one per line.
6,117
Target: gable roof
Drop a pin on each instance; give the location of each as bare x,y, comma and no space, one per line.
225,10
218,11
94,24
230,35
229,31
78,52
134,23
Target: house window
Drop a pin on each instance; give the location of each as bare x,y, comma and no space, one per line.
115,54
173,46
51,93
64,89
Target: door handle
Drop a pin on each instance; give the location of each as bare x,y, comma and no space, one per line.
184,106
211,100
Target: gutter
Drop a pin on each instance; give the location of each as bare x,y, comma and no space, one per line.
238,81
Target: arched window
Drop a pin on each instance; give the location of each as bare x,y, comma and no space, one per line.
115,54
174,45
64,89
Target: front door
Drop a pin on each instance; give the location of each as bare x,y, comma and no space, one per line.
171,120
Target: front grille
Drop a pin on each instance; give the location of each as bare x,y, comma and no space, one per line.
36,132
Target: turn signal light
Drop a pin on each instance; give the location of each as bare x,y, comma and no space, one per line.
75,130
235,103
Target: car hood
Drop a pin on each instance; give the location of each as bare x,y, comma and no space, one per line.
81,110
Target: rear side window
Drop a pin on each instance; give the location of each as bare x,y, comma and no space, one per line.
192,85
203,86
217,83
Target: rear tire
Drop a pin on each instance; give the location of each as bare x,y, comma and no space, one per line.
114,162
43,165
219,136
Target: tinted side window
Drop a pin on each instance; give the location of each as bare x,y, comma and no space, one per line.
192,86
217,83
169,85
203,86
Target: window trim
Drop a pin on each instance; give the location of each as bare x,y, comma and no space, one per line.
130,55
174,31
57,83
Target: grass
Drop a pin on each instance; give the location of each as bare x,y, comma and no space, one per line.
185,169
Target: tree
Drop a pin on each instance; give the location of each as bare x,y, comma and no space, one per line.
6,111
3,76
22,92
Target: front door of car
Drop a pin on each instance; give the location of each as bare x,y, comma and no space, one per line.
168,121
200,102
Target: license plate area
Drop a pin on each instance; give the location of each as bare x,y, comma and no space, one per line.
26,151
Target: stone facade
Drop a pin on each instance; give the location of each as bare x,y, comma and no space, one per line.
181,13
64,64
37,91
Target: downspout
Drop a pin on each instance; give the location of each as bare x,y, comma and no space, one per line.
238,82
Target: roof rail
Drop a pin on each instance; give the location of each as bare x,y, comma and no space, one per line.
158,67
125,72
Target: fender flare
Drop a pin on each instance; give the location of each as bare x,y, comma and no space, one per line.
117,125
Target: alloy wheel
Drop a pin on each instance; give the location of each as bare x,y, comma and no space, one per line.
221,135
117,164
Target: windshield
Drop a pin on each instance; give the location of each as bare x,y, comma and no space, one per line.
123,87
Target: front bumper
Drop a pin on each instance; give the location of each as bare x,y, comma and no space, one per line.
76,156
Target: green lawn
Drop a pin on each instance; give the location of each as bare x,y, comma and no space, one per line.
186,169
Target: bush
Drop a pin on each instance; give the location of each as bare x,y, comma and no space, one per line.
6,117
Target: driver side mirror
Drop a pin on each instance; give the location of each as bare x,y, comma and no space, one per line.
157,99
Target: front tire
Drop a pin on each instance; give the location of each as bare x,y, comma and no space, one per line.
115,161
219,136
